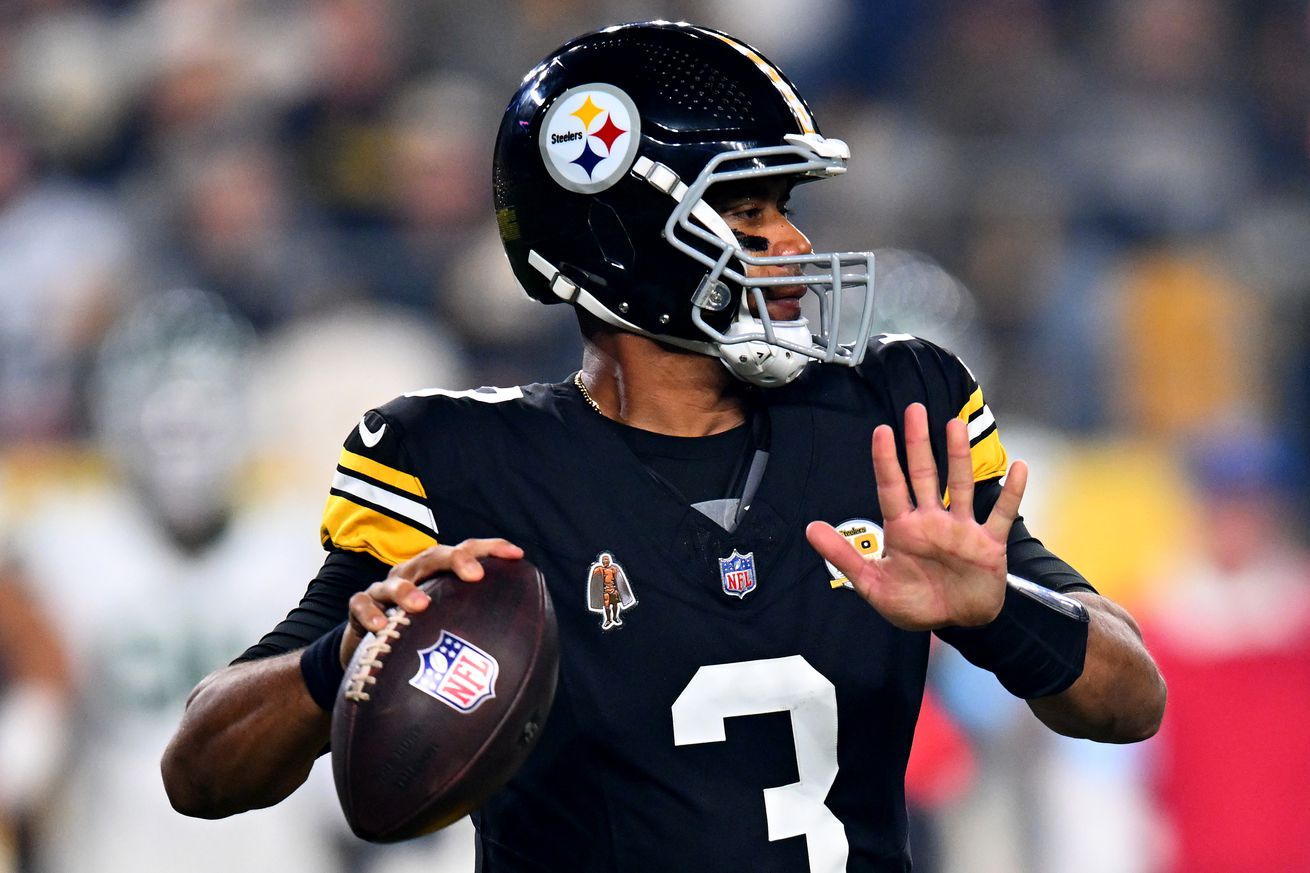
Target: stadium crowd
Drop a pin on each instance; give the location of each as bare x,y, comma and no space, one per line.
1110,197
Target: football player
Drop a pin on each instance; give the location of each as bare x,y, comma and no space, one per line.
169,532
755,707
171,535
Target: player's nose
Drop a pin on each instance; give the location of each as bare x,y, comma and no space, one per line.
788,239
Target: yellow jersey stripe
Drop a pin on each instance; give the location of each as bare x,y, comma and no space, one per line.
395,478
972,405
989,457
348,525
989,461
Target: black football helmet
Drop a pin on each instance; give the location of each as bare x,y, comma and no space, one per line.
602,163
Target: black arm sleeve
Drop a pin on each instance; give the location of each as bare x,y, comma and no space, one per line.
1035,646
324,605
1028,558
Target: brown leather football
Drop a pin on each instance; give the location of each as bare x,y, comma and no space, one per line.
441,708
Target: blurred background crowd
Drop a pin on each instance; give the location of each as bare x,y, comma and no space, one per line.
227,227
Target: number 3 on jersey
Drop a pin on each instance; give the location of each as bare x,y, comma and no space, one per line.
721,691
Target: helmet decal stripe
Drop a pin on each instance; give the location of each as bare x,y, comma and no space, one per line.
803,117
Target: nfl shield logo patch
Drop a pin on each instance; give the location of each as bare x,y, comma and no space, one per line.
738,573
456,672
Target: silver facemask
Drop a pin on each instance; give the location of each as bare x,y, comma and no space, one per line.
756,348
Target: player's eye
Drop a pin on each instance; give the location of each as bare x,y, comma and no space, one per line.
748,212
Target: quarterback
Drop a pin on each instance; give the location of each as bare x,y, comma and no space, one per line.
747,710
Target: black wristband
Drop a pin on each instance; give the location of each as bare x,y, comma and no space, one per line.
1037,644
320,667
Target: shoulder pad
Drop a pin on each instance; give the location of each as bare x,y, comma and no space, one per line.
384,498
897,363
903,369
432,411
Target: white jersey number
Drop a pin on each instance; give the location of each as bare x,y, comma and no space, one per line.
721,691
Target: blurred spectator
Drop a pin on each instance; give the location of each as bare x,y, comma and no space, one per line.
497,40
213,69
1155,142
435,189
801,40
1277,72
1188,345
940,771
239,231
1156,341
509,334
993,71
74,72
320,372
35,686
1231,632
340,133
184,570
66,251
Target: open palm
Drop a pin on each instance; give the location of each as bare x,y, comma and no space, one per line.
940,567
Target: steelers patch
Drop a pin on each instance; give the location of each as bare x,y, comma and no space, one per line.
865,536
589,138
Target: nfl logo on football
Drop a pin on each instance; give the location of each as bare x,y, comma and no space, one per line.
738,573
456,672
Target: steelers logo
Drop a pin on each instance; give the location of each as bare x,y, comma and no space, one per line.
865,536
589,137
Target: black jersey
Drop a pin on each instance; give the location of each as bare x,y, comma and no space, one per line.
726,701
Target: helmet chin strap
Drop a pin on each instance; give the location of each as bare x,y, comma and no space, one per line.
761,363
571,292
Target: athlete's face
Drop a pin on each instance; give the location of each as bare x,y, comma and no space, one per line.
756,210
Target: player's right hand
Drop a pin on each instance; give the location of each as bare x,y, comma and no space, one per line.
400,588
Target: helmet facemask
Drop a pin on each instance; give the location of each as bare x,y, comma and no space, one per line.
755,347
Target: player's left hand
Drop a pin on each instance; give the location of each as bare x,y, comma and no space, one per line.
939,567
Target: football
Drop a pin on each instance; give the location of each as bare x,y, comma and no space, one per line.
439,709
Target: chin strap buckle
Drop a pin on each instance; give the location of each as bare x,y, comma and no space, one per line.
560,285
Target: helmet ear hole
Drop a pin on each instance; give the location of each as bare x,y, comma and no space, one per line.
611,236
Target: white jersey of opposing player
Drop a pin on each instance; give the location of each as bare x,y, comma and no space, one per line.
143,623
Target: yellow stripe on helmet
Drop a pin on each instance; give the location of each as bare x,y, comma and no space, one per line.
803,117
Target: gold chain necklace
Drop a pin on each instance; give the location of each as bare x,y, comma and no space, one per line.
586,395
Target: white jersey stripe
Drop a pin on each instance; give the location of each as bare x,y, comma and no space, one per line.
980,423
482,395
402,506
